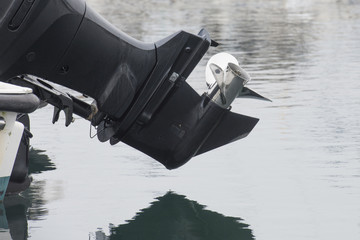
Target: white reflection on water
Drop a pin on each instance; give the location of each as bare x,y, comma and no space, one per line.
296,176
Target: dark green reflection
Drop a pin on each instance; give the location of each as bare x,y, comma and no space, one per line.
39,161
173,216
13,221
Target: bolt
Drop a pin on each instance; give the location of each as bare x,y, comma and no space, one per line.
31,56
64,69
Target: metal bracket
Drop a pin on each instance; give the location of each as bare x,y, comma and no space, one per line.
61,101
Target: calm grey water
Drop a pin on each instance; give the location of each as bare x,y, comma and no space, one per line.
296,176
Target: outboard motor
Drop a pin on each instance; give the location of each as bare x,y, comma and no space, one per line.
139,89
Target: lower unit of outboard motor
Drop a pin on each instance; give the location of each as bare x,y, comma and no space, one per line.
139,90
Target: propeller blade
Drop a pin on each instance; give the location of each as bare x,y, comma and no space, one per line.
218,75
248,93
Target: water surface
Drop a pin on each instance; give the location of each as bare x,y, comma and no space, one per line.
296,176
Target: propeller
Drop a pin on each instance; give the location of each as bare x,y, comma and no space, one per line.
226,80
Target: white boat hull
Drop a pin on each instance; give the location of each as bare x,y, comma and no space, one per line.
10,138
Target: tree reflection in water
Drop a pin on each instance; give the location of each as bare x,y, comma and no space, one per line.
17,209
173,216
39,162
